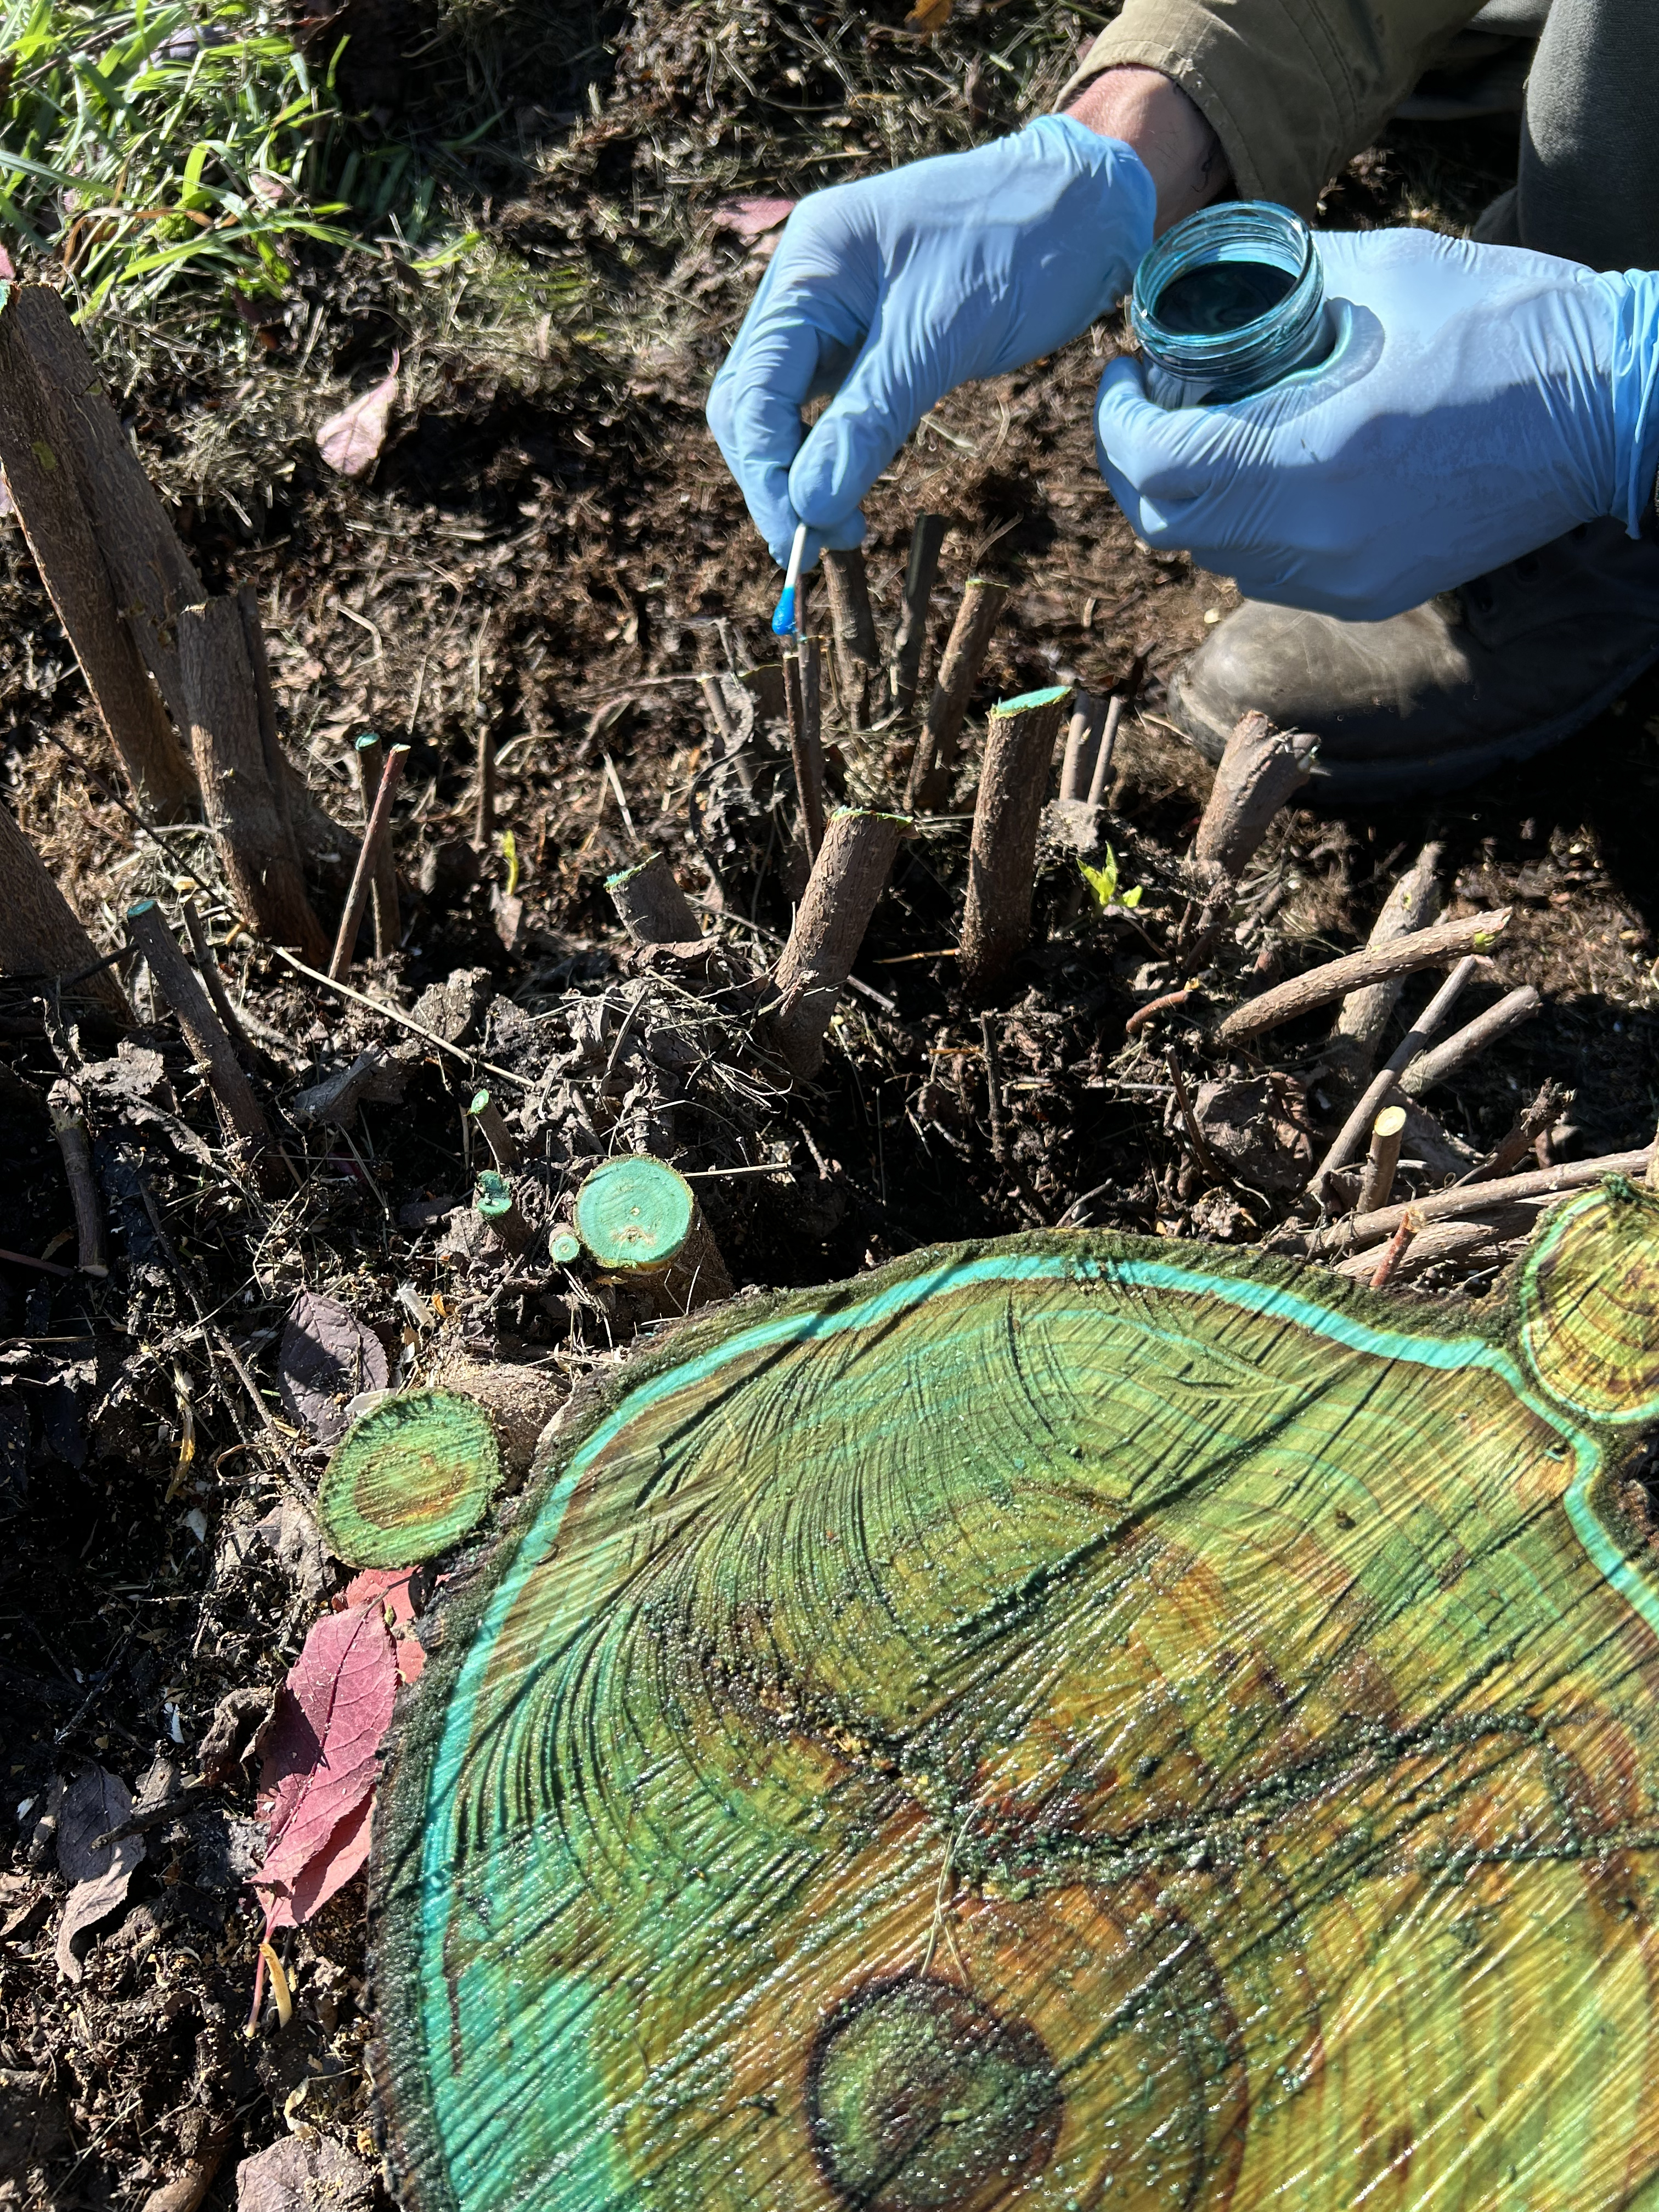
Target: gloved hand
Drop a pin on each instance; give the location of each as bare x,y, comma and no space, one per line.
899,288
1482,401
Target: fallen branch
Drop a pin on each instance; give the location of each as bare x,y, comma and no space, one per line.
1305,994
1412,905
932,770
996,921
1466,1044
1345,1143
847,878
1450,1240
1365,1229
1395,1251
1540,1116
910,638
1167,1003
377,839
1260,769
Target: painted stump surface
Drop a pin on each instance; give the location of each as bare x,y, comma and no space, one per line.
1066,1723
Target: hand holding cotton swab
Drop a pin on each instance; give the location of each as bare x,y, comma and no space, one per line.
783,615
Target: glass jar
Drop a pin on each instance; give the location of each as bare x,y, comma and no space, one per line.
1228,303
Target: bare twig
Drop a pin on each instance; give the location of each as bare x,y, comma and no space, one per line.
926,537
1166,1005
1366,1229
993,1089
1473,1039
808,760
1411,905
1201,1151
208,967
1305,994
858,656
377,834
1345,1143
1395,1250
71,1130
970,640
1105,745
396,1014
368,758
204,1032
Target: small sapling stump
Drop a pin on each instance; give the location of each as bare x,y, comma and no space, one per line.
639,1222
409,1480
503,1146
1260,770
652,907
244,811
996,922
41,938
933,768
847,878
498,1209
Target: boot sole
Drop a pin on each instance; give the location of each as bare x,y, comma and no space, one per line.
1422,775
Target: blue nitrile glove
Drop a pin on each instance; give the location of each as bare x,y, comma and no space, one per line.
898,288
1481,401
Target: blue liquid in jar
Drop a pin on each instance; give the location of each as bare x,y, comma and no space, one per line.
1228,302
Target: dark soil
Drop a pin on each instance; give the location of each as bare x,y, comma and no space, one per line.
555,573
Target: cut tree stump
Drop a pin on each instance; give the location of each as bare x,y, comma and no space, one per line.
59,476
638,1221
41,940
652,906
992,1733
1260,770
407,1480
996,921
250,822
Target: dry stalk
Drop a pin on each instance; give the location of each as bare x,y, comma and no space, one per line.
934,766
377,837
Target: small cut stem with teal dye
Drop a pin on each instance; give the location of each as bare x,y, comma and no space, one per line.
996,921
847,878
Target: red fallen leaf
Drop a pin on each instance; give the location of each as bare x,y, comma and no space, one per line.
389,1587
350,441
752,219
317,1785
7,272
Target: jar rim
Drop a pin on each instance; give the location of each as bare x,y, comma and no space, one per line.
1239,360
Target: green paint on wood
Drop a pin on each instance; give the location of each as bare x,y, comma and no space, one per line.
1070,1723
1028,702
564,1248
634,1212
478,1100
407,1480
494,1195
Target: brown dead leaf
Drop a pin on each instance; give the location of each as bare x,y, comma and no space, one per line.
350,441
304,2174
326,1358
929,16
95,1802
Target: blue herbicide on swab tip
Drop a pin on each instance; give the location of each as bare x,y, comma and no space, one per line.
783,615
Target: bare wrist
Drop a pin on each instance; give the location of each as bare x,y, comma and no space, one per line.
1150,113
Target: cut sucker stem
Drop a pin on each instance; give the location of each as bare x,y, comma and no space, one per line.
847,878
204,1033
996,922
41,935
208,968
503,1146
484,823
910,638
932,769
1103,737
1388,1132
498,1209
1319,987
1075,763
409,1480
652,907
368,756
68,1126
807,754
1259,771
1381,1087
993,1088
858,656
375,837
639,1222
246,813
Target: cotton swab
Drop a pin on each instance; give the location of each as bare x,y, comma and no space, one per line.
783,616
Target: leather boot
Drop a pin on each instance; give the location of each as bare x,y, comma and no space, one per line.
1438,697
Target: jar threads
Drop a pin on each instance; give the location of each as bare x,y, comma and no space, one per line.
1228,339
